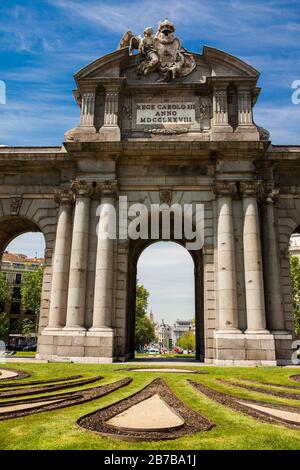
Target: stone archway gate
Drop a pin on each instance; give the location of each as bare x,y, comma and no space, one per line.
212,154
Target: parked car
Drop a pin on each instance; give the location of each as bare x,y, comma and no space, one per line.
31,347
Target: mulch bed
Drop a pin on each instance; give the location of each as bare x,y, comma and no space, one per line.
71,399
39,382
252,388
21,375
233,403
135,369
194,422
295,377
48,388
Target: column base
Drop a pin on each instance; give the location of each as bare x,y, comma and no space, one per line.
53,329
256,347
110,133
101,331
77,345
257,332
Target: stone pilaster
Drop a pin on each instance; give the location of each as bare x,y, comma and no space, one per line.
244,107
61,260
245,126
104,280
220,106
227,287
87,114
110,131
254,284
79,254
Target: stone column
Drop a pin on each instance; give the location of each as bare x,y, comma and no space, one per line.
254,284
271,263
79,253
61,260
104,280
244,107
227,287
110,131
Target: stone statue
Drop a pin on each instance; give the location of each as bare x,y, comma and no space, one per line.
162,53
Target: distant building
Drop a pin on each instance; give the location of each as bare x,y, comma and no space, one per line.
14,266
163,332
151,318
181,327
295,245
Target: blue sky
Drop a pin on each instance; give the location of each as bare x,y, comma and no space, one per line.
44,42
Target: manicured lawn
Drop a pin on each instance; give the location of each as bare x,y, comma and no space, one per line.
24,354
58,429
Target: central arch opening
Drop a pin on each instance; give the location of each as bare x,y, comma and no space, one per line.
171,279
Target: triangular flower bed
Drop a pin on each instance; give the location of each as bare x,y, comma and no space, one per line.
190,421
283,414
65,400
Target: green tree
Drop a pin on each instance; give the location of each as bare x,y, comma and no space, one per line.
144,329
187,341
295,279
31,291
5,293
25,327
4,326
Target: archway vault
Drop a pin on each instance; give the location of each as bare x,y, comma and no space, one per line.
136,248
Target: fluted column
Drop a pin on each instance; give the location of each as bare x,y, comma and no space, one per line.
79,253
61,261
275,315
227,283
110,130
254,284
104,280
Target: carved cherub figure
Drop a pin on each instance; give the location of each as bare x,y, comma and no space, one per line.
147,49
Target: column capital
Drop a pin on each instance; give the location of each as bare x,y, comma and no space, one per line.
64,196
82,188
225,188
251,188
271,194
108,188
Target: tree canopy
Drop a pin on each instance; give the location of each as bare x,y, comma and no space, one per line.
31,290
187,341
4,326
5,292
295,279
144,329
